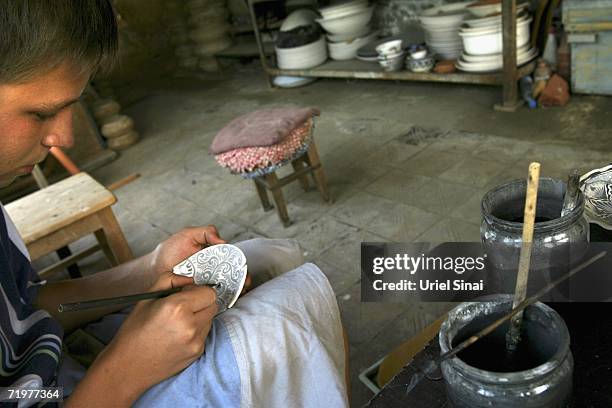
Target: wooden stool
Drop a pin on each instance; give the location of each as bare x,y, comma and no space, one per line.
303,164
62,213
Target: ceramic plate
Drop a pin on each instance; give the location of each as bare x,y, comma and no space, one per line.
221,265
292,82
596,186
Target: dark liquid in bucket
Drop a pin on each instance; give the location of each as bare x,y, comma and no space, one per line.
489,353
537,219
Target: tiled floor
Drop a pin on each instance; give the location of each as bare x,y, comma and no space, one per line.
398,164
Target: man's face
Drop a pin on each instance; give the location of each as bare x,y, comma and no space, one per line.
35,116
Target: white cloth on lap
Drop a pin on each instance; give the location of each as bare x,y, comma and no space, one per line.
281,345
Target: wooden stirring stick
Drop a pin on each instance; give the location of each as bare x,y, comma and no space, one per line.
513,337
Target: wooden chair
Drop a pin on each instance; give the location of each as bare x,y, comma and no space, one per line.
62,213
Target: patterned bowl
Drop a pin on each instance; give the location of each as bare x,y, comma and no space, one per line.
424,64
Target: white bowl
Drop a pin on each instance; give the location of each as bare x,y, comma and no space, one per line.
494,57
340,9
494,65
497,20
418,54
303,57
347,50
394,64
485,9
444,16
390,47
363,31
302,17
347,24
479,41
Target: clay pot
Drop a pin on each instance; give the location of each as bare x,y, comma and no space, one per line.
117,125
105,108
484,375
123,141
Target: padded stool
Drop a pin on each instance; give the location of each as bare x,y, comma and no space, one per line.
305,163
62,213
304,157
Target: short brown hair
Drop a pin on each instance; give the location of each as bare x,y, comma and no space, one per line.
38,35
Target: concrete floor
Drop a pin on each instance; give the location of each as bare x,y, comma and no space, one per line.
405,162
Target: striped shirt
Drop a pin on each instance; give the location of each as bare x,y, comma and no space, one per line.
30,339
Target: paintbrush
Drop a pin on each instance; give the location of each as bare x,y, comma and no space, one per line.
433,365
118,300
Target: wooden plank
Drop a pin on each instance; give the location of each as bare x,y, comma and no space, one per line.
510,73
57,206
64,263
589,27
356,69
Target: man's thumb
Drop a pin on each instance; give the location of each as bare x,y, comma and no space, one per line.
170,280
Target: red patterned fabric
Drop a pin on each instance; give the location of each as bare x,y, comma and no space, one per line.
247,159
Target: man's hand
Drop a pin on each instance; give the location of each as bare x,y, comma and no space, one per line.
158,339
180,246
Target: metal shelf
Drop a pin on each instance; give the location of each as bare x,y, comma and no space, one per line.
371,70
355,69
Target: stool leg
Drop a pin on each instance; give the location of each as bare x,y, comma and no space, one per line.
277,193
298,164
263,196
114,236
73,270
105,247
318,173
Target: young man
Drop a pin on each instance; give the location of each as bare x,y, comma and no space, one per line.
281,345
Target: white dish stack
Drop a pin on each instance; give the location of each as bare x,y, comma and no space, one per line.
441,25
303,56
483,42
348,27
208,20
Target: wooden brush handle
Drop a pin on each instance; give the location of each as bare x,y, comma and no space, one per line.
522,277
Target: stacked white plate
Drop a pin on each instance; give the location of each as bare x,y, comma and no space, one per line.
346,21
483,44
441,25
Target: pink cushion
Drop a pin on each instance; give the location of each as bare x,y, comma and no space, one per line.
265,127
247,159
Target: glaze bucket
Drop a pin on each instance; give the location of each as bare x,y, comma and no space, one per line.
539,375
558,242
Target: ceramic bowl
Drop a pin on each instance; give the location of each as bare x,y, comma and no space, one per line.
521,12
390,47
298,18
418,53
479,41
495,64
336,38
483,10
342,9
444,16
349,23
347,50
423,64
392,64
303,57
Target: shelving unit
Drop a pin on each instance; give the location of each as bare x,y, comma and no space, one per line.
355,69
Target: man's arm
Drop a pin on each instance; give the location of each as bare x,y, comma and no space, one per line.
158,339
131,277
